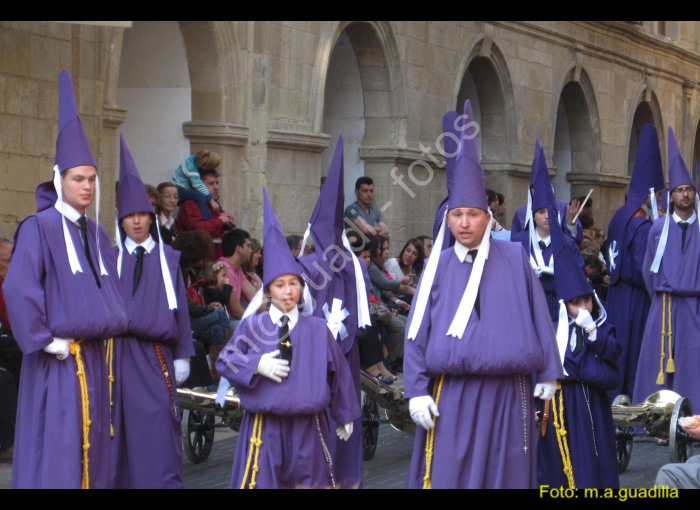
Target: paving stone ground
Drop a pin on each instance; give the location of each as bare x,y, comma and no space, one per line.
390,464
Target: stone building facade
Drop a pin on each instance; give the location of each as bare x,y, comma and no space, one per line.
272,98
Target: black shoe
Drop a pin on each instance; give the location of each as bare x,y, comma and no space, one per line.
397,366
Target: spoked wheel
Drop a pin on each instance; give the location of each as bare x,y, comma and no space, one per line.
624,438
370,427
679,442
197,435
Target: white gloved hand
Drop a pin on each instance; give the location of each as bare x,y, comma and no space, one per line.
584,320
272,367
60,347
421,409
546,390
540,270
344,431
221,391
182,370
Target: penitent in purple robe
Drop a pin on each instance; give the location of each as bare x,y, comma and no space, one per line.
678,275
547,280
519,224
485,435
590,431
295,427
45,299
628,301
147,444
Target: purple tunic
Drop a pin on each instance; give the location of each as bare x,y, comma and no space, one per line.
628,300
49,300
295,428
147,445
485,434
587,418
679,275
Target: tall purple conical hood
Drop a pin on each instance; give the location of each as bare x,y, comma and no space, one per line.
72,148
537,161
544,195
327,217
570,280
132,193
677,171
468,188
450,142
278,259
648,171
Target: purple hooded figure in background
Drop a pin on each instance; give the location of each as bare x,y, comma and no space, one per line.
628,301
521,218
670,357
291,374
65,304
152,356
472,344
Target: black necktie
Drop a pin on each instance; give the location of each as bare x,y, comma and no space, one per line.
140,250
285,345
684,226
83,235
543,245
579,340
477,306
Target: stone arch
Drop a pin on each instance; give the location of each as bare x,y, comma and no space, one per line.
645,109
380,66
576,125
482,66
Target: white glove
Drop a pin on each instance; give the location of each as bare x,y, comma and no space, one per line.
60,347
546,390
584,320
421,409
272,367
540,270
182,370
221,391
344,431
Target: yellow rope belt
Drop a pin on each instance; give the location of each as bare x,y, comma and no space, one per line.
110,364
255,444
670,366
75,351
558,422
430,436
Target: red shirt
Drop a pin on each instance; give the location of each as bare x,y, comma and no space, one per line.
189,218
3,311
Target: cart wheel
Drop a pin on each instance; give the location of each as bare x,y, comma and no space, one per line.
624,437
624,441
197,435
679,442
370,427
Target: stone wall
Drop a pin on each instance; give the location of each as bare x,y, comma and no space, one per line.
262,96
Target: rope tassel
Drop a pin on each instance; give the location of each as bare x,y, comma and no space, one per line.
430,437
558,422
85,401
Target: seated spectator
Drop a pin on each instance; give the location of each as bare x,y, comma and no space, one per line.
190,216
255,257
409,263
427,245
10,365
501,214
210,323
586,221
294,242
598,275
361,214
309,247
373,345
166,206
236,251
153,197
382,289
